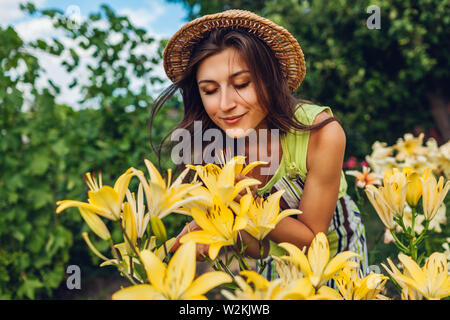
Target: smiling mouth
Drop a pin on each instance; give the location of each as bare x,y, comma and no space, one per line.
233,119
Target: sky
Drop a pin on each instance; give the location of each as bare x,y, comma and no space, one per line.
160,18
157,16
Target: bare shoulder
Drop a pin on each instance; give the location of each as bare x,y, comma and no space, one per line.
328,141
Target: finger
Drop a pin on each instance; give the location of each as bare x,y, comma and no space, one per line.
202,251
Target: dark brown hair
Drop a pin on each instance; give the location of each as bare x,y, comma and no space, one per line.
271,85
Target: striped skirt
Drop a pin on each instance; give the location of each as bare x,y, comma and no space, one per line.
345,233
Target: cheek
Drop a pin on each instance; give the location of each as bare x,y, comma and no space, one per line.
211,109
209,105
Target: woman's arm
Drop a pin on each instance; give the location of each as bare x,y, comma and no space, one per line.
325,156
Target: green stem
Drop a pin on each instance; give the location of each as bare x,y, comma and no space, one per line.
211,263
119,264
242,263
401,224
131,265
398,243
419,239
225,268
412,235
240,254
132,247
397,286
262,264
226,256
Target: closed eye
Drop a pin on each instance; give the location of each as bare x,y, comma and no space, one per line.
209,92
242,86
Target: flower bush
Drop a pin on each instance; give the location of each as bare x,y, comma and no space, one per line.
155,272
410,171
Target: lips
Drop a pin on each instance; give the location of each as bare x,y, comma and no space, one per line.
233,119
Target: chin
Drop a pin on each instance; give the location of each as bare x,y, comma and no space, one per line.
237,133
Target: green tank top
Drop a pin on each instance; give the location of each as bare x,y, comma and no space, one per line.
295,147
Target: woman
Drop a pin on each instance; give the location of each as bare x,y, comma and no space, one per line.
237,72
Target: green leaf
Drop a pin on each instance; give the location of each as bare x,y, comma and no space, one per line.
39,164
53,278
60,148
28,288
39,198
19,236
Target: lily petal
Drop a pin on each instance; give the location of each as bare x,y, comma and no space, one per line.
206,282
155,268
138,292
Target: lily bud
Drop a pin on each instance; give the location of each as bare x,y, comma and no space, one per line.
159,230
413,188
95,223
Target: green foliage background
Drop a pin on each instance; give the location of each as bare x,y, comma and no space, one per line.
46,150
378,83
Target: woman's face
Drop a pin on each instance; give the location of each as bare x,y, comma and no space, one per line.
229,95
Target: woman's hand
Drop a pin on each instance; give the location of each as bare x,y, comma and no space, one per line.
202,249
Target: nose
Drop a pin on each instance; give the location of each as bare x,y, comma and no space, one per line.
227,100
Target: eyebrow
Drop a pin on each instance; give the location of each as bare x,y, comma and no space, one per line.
231,77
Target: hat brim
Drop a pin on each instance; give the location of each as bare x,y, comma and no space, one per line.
285,47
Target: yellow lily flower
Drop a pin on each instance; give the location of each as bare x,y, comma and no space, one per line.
376,198
95,223
432,281
262,289
326,293
138,209
164,198
355,287
408,292
289,273
174,281
317,266
409,146
219,226
414,187
286,270
102,200
395,191
433,195
221,181
439,218
129,224
264,215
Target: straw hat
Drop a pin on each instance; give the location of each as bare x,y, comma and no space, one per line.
285,47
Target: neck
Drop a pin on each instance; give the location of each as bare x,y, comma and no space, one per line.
266,148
